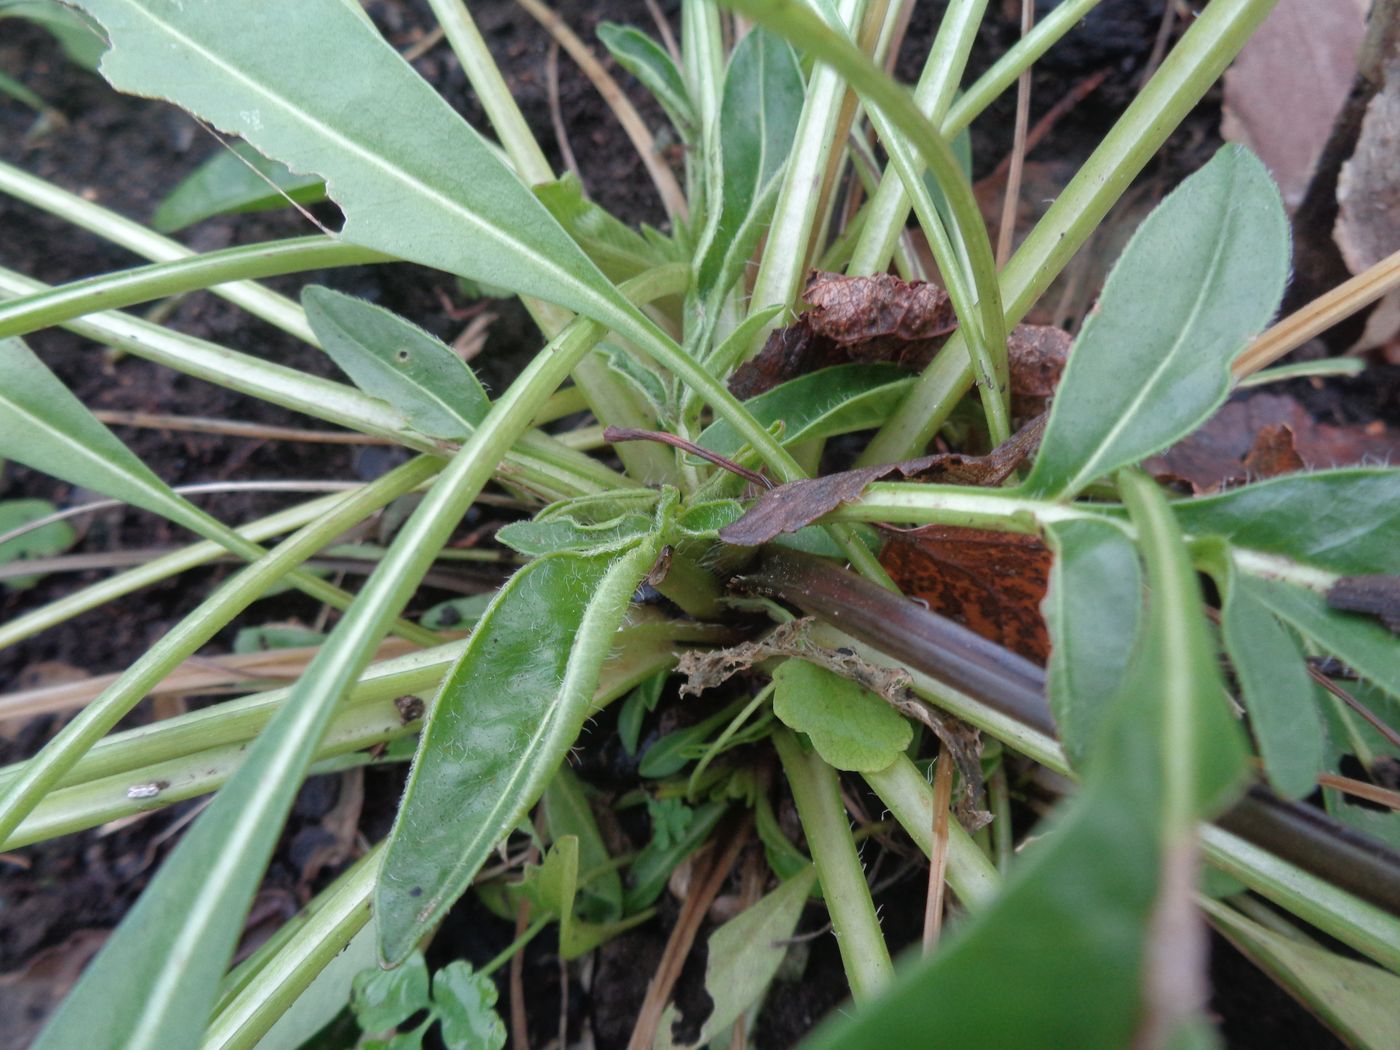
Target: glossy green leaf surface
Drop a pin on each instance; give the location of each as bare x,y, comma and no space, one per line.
237,179
1202,275
1276,689
1354,999
1345,521
507,714
645,59
1358,641
742,957
53,538
1093,610
43,426
394,360
837,400
850,727
759,110
318,89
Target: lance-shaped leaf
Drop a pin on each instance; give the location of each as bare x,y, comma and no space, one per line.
236,179
644,58
507,714
1273,681
1358,641
763,96
396,361
820,404
567,813
743,957
318,89
1201,276
1092,609
620,251
1345,521
1070,928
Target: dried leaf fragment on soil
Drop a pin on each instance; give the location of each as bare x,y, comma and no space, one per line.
884,319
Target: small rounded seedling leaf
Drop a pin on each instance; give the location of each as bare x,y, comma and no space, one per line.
384,999
851,727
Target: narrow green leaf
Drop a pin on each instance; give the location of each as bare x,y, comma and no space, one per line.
456,614
646,878
742,958
645,59
851,727
1358,641
507,714
762,102
821,404
552,889
1355,1000
237,179
617,249
275,636
53,538
43,426
535,538
1201,276
1276,689
394,360
317,88
1345,521
567,812
1093,610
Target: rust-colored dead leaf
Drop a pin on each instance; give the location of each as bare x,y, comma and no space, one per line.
1378,595
905,323
1214,456
990,582
1273,453
797,504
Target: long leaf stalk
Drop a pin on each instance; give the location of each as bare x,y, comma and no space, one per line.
258,301
814,787
1199,58
59,755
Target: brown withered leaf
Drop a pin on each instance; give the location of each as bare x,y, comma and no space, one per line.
1273,453
797,504
990,582
1213,456
883,319
1377,595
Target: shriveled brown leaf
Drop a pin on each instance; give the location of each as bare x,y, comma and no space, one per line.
1284,91
883,319
1214,455
990,582
1368,186
1273,453
1377,595
797,504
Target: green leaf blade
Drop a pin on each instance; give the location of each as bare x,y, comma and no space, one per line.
318,89
1203,274
238,179
507,714
394,360
851,727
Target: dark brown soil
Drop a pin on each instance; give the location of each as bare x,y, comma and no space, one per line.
127,154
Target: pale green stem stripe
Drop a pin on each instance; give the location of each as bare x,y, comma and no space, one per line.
95,720
1179,83
128,287
271,307
864,956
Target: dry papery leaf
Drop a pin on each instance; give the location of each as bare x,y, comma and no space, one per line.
1284,91
1368,186
797,504
884,319
1245,440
